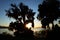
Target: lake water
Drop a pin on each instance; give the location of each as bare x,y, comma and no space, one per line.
36,31
6,30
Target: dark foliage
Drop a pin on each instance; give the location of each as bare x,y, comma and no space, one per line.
5,36
20,13
48,11
54,34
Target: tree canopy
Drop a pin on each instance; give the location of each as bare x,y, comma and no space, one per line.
49,11
23,15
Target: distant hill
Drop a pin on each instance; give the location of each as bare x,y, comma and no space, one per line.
3,27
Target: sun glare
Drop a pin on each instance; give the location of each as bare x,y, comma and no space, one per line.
29,25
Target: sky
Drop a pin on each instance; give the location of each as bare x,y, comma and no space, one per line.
5,5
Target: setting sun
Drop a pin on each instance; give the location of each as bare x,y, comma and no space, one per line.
29,25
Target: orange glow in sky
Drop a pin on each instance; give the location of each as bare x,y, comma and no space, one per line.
37,24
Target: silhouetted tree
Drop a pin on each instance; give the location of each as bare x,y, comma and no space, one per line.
48,11
59,21
20,13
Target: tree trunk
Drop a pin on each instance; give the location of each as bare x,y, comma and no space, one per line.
52,25
32,22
